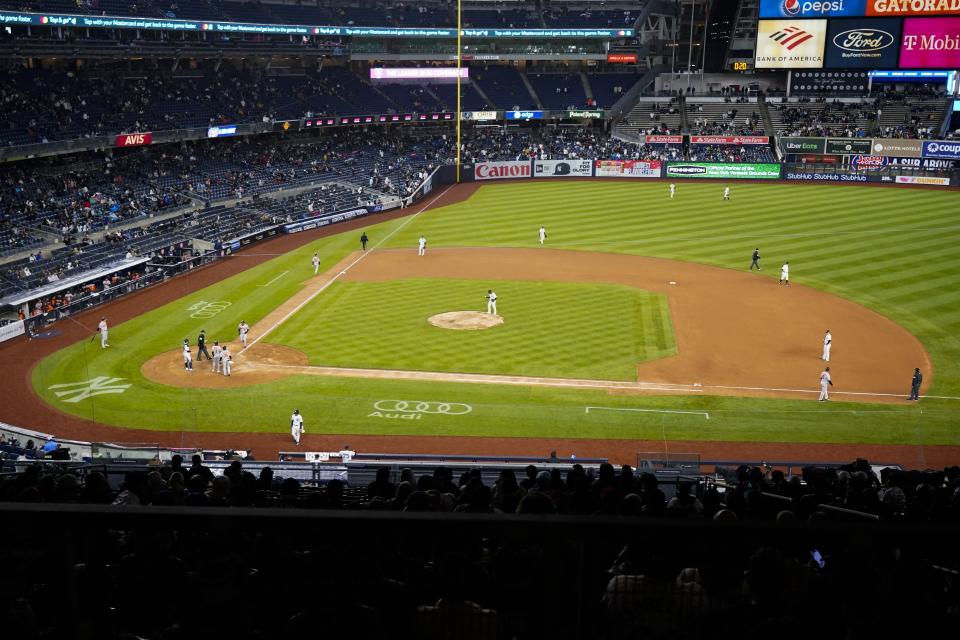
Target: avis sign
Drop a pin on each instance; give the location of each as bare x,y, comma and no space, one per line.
133,139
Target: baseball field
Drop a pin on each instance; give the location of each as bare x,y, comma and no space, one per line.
637,324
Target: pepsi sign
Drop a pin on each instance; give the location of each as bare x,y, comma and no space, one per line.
812,8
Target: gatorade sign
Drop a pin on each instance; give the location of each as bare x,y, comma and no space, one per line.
133,139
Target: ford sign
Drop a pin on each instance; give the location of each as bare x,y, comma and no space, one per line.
863,40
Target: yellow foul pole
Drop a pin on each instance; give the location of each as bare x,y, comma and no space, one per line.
459,50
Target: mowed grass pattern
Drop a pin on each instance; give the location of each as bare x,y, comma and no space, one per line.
894,250
551,329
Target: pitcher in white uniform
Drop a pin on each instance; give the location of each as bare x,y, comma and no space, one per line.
491,302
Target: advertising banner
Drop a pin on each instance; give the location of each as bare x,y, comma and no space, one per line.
941,182
722,170
948,149
622,58
11,330
835,83
418,73
897,147
523,115
923,163
863,43
867,163
479,115
930,43
803,145
133,139
811,8
790,44
588,115
222,131
738,140
829,177
323,221
562,168
663,139
627,168
502,170
849,146
892,8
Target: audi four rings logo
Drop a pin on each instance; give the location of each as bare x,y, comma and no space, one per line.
420,406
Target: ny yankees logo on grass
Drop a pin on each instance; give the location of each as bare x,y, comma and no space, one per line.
101,385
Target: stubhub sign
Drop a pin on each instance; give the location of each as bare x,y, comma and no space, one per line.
812,8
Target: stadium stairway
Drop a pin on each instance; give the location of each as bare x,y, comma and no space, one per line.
587,89
768,128
533,93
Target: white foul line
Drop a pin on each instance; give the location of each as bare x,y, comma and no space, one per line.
274,280
836,393
705,414
343,272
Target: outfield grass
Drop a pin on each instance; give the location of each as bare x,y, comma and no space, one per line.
553,329
895,251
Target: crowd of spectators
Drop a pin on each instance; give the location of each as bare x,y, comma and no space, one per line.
731,153
827,118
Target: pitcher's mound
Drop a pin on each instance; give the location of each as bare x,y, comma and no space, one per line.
465,320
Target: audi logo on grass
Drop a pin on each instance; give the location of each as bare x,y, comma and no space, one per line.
416,409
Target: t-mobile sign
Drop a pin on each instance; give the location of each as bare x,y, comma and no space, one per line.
930,43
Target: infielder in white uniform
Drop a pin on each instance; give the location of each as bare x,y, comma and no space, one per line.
726,193
243,329
422,246
827,343
296,426
187,358
217,357
316,264
491,302
543,234
824,382
225,362
673,188
785,274
102,328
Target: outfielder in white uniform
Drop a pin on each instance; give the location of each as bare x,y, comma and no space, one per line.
491,302
422,246
217,357
187,358
296,426
316,264
825,381
102,328
726,193
827,343
673,188
543,235
785,274
243,329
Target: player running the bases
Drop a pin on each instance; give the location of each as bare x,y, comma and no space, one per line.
543,235
243,329
726,193
296,426
785,274
187,358
316,264
217,357
673,189
102,328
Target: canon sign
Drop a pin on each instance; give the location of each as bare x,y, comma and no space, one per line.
501,170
